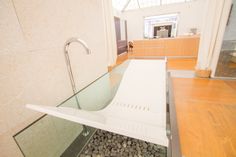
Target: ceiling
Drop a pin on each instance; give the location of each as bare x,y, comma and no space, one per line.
124,5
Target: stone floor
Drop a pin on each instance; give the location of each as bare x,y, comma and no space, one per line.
106,144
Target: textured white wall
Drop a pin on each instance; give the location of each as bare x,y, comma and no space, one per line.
33,68
190,16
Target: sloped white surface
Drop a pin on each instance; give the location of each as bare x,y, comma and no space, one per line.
138,109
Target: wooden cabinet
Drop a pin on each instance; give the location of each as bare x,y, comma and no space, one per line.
179,46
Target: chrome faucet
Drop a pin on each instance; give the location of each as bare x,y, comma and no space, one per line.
68,63
71,40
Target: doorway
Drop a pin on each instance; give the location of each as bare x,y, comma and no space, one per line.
121,35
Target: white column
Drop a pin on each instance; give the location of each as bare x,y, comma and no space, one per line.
220,36
213,15
109,28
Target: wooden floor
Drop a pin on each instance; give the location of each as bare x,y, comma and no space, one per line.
172,64
206,116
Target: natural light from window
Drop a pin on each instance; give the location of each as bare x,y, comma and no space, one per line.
123,5
161,26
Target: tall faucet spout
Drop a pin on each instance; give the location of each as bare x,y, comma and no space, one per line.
69,68
73,39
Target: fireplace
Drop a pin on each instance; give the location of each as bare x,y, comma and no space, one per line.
162,31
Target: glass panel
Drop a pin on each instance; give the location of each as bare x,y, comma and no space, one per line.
226,66
50,136
133,4
98,95
149,3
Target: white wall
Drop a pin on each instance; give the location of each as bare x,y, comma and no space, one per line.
116,12
190,16
110,32
33,68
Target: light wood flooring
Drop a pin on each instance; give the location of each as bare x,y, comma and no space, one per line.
206,116
172,64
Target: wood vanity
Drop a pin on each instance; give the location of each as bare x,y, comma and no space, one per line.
178,46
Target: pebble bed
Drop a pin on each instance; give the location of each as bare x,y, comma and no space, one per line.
107,144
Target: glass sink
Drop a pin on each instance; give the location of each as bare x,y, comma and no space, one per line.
49,136
99,93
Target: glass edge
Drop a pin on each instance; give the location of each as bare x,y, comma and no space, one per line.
39,118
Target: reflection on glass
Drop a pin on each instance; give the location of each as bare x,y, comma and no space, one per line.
51,136
226,66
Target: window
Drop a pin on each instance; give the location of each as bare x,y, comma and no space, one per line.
160,26
123,5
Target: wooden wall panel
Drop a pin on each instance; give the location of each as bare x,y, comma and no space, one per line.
180,46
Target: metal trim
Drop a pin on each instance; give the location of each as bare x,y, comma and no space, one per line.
174,149
125,6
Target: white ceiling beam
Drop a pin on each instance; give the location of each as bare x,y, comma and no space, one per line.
126,5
